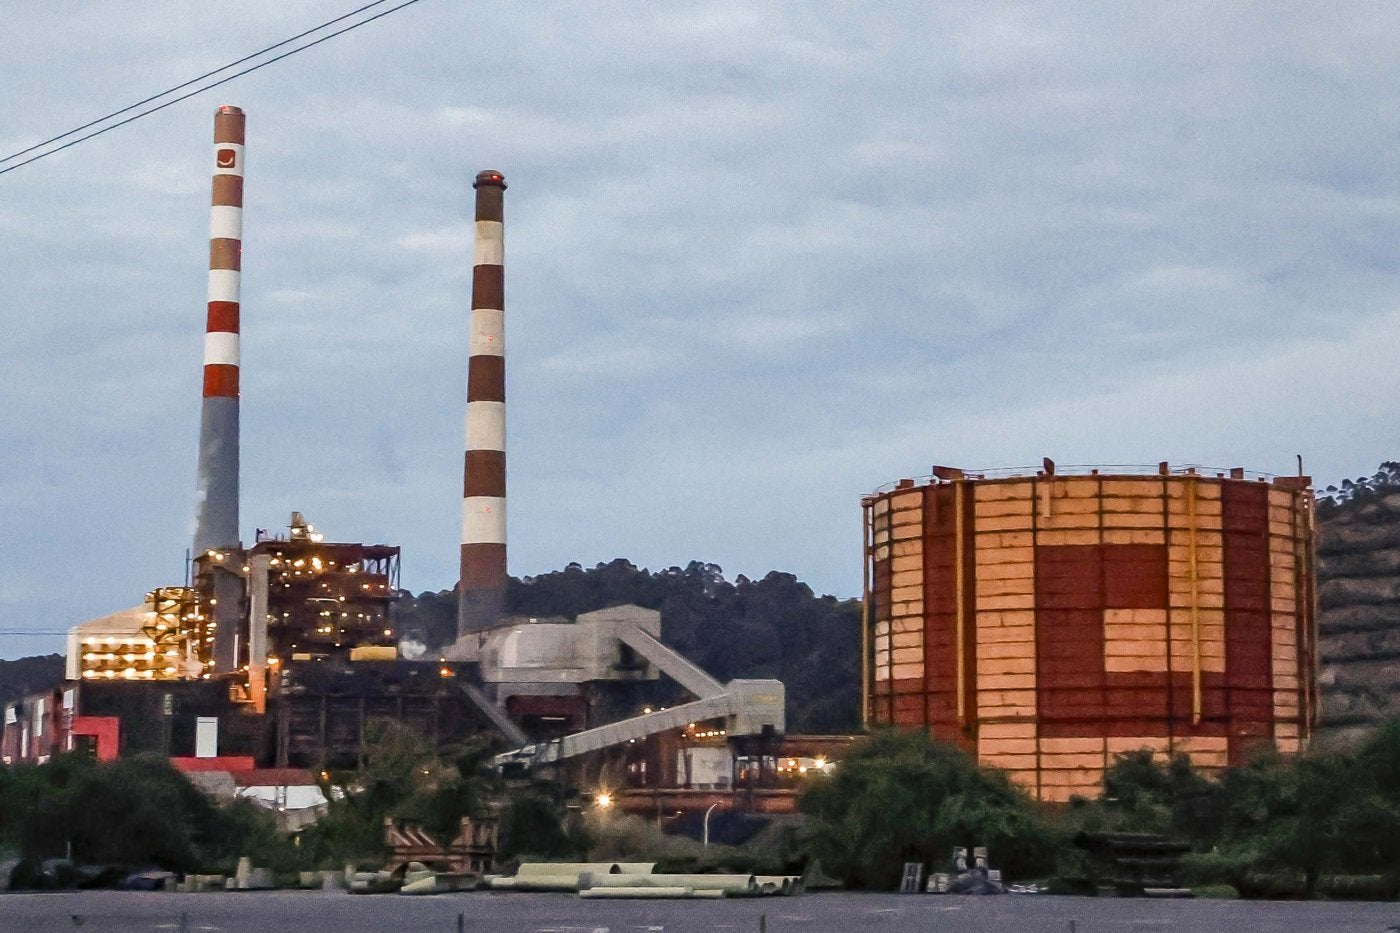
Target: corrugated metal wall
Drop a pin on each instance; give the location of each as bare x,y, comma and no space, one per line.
1049,623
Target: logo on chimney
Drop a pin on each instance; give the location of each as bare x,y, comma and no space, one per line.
226,157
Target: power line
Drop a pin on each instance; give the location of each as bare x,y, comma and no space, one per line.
180,87
200,90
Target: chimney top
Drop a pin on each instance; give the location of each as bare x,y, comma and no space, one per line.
490,177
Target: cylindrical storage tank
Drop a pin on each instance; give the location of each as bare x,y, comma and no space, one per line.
1048,622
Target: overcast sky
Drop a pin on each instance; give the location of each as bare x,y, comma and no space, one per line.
760,260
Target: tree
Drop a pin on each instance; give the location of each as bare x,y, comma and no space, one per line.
401,779
1142,793
134,812
530,825
901,797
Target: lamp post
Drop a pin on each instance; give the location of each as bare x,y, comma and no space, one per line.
705,831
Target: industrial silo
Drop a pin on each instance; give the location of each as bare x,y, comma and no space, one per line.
1049,621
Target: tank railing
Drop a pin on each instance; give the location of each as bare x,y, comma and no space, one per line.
1088,469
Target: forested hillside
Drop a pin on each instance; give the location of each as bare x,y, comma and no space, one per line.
29,675
1358,570
773,627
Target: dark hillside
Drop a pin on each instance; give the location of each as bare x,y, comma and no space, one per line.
24,676
773,627
1358,572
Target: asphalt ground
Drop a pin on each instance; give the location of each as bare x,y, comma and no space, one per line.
315,912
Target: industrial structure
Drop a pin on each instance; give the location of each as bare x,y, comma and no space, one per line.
216,508
1048,621
482,593
283,653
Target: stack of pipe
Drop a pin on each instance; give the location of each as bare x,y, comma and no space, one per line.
565,876
688,885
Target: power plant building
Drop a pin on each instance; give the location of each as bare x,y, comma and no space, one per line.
1047,623
285,651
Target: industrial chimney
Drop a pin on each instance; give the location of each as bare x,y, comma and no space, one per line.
483,580
216,523
216,519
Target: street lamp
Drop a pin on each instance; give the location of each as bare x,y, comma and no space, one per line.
705,830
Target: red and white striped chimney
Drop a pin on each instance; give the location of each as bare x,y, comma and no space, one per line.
482,591
216,523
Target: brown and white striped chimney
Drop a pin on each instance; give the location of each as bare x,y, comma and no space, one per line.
482,590
216,522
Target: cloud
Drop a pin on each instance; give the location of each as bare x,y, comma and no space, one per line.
760,260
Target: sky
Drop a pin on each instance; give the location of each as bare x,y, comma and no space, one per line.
761,259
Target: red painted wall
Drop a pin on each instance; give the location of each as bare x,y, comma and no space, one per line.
107,731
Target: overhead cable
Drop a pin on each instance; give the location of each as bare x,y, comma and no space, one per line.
200,90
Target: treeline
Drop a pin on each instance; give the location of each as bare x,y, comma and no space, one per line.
102,820
771,627
1354,495
125,815
1303,826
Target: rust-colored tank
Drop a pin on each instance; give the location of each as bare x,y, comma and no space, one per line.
1049,622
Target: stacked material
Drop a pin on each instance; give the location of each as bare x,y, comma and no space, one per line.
248,878
638,880
563,876
1358,571
419,879
195,883
688,885
651,893
783,885
371,882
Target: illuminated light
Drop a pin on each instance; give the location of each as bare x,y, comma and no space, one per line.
298,563
316,563
603,800
444,672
